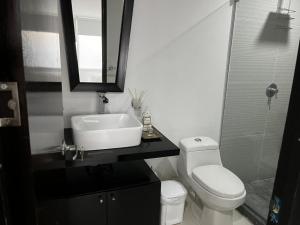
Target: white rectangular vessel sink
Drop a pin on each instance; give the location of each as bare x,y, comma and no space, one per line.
106,131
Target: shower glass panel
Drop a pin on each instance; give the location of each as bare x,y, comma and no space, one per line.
263,56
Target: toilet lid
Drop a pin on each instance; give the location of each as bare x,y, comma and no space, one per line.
219,181
172,189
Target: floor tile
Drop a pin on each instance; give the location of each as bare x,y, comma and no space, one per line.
192,218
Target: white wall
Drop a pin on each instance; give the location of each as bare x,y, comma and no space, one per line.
178,55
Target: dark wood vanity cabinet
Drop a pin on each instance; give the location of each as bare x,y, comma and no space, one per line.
139,205
51,212
87,209
122,194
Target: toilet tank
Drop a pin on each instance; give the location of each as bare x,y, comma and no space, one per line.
198,151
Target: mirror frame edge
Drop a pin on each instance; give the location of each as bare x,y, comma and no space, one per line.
71,53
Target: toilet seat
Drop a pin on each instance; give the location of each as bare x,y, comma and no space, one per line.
219,181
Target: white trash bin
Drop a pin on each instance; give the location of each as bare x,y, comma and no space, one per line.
173,195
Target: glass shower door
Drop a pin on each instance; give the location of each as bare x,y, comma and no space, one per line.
263,56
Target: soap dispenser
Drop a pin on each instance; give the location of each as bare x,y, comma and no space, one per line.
149,132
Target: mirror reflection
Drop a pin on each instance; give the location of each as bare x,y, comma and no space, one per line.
97,26
87,17
114,13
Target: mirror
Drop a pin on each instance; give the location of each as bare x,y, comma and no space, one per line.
97,37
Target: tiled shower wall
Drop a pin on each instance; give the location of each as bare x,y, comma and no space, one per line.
264,51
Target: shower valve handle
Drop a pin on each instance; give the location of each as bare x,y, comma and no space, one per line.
272,90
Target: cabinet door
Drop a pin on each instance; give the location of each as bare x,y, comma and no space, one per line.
87,210
52,212
135,206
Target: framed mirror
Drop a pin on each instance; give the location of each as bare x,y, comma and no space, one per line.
97,34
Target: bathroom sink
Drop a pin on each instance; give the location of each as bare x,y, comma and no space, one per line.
106,131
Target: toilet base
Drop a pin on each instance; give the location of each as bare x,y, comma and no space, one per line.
215,217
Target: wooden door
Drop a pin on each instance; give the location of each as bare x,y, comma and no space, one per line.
134,206
87,210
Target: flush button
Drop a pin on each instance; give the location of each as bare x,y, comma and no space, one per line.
198,139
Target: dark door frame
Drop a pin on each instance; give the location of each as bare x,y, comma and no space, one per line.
286,193
15,154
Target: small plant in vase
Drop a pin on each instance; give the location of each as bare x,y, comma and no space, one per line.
137,102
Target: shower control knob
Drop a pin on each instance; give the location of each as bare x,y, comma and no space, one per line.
271,91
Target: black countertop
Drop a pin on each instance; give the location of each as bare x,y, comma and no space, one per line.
146,150
76,181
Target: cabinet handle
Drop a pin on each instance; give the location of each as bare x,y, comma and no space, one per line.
113,197
101,201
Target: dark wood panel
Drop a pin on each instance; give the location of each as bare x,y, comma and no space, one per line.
75,181
81,210
87,210
121,193
139,205
53,212
43,86
14,142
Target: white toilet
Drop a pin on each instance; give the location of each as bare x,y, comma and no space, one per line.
219,190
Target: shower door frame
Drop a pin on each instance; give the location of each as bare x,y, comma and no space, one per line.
287,181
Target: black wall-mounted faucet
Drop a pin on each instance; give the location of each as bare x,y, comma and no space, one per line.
103,98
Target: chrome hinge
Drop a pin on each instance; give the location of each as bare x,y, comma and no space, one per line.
12,104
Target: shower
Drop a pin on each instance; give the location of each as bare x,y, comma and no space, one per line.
261,67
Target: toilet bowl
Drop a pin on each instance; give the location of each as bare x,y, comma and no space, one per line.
219,190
